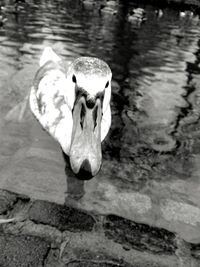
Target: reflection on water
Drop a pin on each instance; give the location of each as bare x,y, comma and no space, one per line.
154,100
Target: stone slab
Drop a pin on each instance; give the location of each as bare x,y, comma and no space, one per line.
61,217
22,251
96,248
7,200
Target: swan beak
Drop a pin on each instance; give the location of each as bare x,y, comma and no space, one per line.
85,151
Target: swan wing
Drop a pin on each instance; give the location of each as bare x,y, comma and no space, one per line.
48,99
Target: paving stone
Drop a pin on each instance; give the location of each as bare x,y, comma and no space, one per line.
53,259
62,217
139,236
81,257
76,257
22,251
91,249
6,200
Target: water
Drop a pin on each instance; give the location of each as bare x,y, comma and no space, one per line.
155,94
148,61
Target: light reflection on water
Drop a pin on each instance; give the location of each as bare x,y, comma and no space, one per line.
148,63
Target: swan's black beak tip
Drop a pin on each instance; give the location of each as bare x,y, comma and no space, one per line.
85,172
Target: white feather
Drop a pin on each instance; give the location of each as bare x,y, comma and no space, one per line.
48,54
52,102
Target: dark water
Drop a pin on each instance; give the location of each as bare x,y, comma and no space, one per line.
155,97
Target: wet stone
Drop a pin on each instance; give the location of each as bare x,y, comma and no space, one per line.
22,251
7,200
195,251
139,236
85,258
53,258
62,217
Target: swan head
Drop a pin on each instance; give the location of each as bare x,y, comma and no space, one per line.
90,78
83,111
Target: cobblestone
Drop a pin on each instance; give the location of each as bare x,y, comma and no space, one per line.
6,201
139,236
22,251
62,217
56,235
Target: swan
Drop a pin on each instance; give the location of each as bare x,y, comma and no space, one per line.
137,15
109,8
73,106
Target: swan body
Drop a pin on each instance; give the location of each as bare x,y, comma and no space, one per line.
108,10
138,12
137,15
109,7
73,106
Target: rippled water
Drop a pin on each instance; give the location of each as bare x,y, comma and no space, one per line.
155,75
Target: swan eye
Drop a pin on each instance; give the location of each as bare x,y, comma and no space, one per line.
107,84
74,78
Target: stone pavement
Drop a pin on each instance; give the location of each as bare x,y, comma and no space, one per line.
51,235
